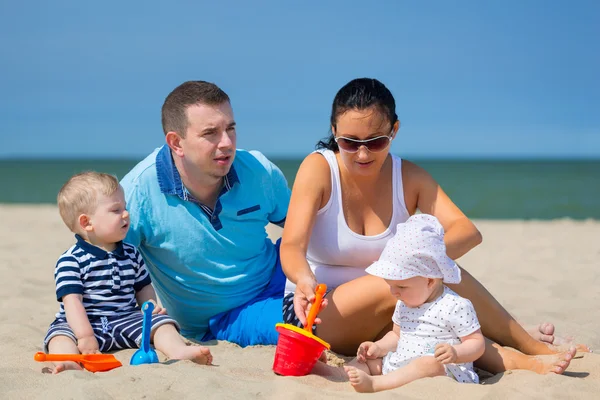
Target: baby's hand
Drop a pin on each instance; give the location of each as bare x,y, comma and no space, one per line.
159,310
445,353
88,345
368,351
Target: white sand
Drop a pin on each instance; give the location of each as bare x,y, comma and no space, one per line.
542,271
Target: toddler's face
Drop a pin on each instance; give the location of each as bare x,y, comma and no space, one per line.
110,220
413,291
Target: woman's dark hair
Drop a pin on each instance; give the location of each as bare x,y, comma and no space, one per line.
360,94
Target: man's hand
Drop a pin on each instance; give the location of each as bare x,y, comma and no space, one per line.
368,351
445,353
88,345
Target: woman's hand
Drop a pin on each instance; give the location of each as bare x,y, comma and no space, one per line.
304,298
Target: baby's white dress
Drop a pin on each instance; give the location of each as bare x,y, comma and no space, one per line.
444,320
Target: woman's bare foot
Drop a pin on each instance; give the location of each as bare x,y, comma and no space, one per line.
544,332
197,354
64,366
556,363
360,380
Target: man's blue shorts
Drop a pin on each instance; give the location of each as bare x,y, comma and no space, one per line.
254,322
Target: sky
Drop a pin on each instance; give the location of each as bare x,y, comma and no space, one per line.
471,79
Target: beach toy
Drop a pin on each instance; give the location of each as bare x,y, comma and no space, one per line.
145,354
298,349
91,362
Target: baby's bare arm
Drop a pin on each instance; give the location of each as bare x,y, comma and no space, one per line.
147,293
471,348
378,349
80,324
390,341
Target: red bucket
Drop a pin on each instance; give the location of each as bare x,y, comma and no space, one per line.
297,351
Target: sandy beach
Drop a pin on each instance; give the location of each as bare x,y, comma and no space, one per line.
540,270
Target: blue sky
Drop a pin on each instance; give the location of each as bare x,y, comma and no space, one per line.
508,79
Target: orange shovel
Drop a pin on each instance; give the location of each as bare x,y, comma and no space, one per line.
316,306
91,362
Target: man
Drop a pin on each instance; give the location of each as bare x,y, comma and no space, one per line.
199,209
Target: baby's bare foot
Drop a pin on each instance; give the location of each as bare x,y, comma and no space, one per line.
197,354
69,365
556,363
360,380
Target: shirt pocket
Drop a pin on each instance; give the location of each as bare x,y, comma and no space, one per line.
248,210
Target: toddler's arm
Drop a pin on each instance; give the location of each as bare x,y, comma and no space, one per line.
80,324
147,293
471,348
378,349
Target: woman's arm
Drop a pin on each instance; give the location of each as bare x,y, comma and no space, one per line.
461,235
307,195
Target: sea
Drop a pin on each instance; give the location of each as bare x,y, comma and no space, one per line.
490,189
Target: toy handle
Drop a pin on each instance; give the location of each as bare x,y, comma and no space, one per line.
39,356
147,309
316,306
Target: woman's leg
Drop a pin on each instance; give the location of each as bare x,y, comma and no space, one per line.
496,323
497,359
358,311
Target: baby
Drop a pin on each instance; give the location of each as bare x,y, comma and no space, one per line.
436,332
101,281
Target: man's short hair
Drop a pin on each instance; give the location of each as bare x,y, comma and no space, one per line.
79,195
174,116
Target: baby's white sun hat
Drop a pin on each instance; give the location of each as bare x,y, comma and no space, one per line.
417,249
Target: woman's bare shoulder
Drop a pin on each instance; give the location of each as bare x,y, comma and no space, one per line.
314,167
414,175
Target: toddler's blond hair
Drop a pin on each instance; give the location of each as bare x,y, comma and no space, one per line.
79,195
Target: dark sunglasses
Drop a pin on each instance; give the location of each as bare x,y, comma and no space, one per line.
374,145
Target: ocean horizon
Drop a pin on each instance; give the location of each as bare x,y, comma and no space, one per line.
499,188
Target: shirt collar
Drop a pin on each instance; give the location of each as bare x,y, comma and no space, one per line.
169,179
97,251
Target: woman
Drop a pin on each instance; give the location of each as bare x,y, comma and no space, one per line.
347,200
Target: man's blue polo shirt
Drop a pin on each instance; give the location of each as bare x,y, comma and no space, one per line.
202,261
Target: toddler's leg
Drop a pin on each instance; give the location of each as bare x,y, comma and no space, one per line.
169,341
421,367
63,345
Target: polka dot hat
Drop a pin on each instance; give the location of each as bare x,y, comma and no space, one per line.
417,249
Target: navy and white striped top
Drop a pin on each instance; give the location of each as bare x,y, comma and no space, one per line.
107,281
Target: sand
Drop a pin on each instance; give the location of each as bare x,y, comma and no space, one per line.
541,271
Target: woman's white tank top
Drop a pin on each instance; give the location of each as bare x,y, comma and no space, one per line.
335,253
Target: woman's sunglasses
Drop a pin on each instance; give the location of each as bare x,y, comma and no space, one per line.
374,145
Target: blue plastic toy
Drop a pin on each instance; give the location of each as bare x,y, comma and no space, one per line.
145,354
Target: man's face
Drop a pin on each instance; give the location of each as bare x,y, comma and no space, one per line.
210,139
